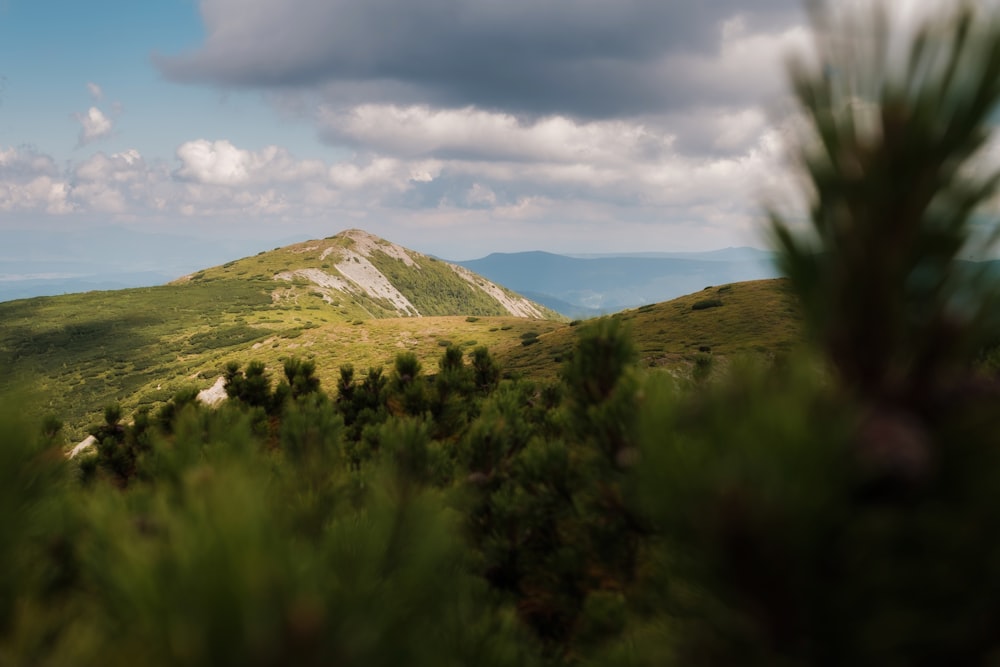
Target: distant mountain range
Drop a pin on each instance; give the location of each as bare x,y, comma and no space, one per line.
37,263
582,286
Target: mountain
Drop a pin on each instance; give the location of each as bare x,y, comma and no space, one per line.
742,253
351,298
727,321
348,299
369,276
611,283
37,263
566,308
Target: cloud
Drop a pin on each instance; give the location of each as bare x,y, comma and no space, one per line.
95,91
470,133
458,112
217,162
115,183
553,169
598,58
222,163
94,125
30,181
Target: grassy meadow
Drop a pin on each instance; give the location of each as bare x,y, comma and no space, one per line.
75,354
755,317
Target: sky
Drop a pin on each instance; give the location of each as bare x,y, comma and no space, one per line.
454,127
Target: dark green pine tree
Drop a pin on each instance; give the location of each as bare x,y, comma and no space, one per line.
452,400
851,519
408,393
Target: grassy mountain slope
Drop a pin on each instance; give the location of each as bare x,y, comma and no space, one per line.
365,276
79,352
751,317
611,283
324,300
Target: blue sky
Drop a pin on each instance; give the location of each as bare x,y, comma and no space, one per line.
51,50
456,127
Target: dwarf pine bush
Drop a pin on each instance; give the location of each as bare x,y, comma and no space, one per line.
837,505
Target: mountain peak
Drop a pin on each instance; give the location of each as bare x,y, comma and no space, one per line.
364,243
364,276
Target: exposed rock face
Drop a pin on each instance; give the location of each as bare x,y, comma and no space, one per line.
365,243
215,394
83,446
356,268
356,274
515,305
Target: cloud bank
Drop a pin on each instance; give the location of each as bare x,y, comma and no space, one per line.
590,59
637,124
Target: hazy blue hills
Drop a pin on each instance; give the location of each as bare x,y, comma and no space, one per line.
580,286
739,254
35,263
571,310
44,263
18,287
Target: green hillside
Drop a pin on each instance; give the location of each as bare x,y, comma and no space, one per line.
77,353
363,276
759,316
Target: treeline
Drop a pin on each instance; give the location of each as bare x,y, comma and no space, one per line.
405,517
616,517
529,478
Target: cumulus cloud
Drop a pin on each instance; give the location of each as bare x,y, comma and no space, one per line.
552,164
470,133
94,125
30,181
217,162
116,183
95,91
222,163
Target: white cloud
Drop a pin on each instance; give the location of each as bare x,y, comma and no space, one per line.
217,162
94,125
95,91
30,181
18,163
551,170
41,193
221,163
118,167
478,134
484,159
383,173
117,183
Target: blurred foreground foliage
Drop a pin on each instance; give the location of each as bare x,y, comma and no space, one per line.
837,505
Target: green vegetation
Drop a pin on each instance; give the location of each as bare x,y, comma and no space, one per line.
432,287
435,289
760,318
138,347
706,303
833,504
